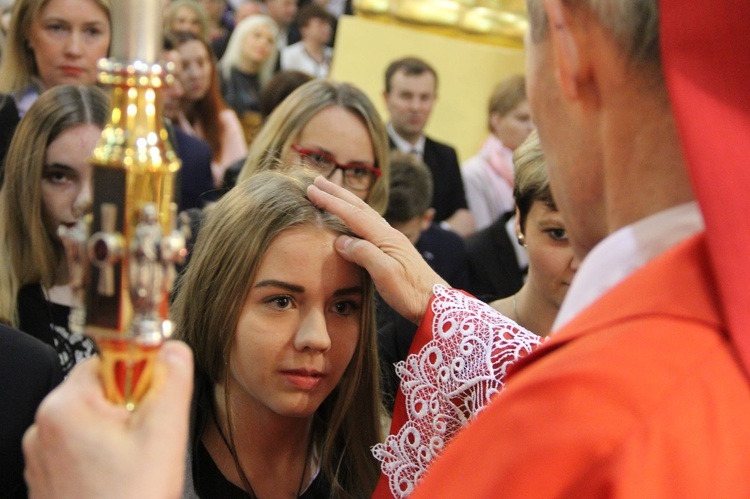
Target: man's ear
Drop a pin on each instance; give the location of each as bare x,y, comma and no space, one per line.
427,218
565,49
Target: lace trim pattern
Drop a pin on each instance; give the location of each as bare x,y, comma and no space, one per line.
449,381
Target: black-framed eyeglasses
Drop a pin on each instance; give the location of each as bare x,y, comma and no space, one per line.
357,176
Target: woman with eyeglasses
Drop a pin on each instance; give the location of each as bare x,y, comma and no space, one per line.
331,128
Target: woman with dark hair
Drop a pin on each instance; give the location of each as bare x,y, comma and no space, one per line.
204,113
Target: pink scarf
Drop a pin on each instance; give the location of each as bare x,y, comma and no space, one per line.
499,158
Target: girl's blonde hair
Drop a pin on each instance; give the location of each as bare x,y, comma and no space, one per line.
285,123
18,66
233,53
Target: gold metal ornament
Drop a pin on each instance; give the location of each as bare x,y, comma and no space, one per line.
126,266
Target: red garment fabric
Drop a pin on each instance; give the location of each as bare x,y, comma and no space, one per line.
641,395
705,47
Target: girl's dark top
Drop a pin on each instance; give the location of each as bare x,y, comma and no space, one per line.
241,91
48,322
207,480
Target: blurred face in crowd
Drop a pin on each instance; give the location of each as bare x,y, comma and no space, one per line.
172,94
410,103
66,175
513,128
552,263
317,30
186,19
247,9
67,38
298,329
282,11
214,9
196,70
341,135
256,47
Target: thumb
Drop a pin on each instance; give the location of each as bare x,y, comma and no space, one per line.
366,255
166,406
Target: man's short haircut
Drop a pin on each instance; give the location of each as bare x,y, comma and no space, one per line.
312,11
507,95
634,25
411,66
411,188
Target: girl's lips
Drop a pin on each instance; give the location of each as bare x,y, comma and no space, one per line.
72,71
303,379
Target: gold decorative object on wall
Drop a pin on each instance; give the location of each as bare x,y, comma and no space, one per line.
497,22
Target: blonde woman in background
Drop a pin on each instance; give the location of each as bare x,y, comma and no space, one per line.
53,42
246,68
186,15
332,128
488,176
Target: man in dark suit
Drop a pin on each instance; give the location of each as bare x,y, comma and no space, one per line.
29,369
410,93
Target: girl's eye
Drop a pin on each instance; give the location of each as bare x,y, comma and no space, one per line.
558,234
55,28
282,302
56,177
346,308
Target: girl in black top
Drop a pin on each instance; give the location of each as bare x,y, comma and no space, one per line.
47,185
287,392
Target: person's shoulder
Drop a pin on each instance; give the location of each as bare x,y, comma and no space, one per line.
494,232
437,236
474,168
15,344
292,51
439,146
190,145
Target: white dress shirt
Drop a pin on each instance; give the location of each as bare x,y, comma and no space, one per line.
404,145
623,252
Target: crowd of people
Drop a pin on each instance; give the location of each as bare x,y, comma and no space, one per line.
365,298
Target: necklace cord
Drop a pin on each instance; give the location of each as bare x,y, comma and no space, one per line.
231,447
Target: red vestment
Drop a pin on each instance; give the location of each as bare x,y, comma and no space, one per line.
641,395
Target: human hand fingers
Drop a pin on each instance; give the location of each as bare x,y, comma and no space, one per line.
172,384
161,421
404,280
33,471
357,214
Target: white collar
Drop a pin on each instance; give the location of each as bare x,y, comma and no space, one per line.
404,145
623,252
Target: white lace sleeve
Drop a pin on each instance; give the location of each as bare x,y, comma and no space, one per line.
449,381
